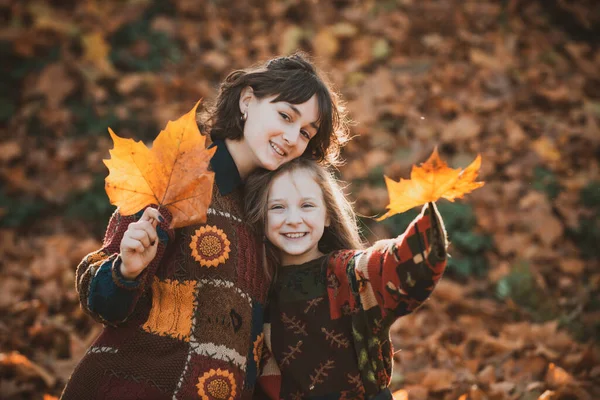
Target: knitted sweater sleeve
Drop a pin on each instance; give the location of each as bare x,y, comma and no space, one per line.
104,293
394,275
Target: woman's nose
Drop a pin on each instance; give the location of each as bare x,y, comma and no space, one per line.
290,136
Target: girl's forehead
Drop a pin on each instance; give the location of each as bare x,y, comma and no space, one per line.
300,179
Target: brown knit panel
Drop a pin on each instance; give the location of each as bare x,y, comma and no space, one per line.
116,386
224,316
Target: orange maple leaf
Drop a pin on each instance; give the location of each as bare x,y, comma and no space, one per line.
429,182
173,174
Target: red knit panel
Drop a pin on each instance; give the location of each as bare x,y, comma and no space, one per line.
341,299
115,337
270,385
250,272
85,379
390,264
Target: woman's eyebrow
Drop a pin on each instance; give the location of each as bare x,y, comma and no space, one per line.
299,114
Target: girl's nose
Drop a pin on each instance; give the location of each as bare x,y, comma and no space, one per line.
293,217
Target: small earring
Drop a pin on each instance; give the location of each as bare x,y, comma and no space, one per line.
244,116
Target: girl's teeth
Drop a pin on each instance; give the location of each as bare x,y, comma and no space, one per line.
294,235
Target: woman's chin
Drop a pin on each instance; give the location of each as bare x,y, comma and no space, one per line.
272,165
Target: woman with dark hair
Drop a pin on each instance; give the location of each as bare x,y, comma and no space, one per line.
183,309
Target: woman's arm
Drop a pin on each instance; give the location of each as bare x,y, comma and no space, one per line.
104,293
395,275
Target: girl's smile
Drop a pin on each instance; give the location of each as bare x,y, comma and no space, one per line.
296,216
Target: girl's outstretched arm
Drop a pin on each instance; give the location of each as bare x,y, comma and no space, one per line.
394,275
104,293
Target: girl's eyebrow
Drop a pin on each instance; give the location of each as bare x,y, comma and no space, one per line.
299,114
283,199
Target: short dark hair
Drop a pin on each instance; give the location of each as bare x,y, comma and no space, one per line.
294,79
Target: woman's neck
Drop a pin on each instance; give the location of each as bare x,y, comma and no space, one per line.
241,155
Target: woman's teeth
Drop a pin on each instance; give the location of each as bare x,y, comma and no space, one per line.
294,235
277,149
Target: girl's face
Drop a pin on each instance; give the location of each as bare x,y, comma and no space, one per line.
296,216
276,133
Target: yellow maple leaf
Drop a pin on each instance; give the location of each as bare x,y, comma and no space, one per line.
430,182
173,174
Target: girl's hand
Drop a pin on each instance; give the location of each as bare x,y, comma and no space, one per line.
139,244
438,232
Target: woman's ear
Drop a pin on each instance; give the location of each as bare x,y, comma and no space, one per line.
327,222
246,96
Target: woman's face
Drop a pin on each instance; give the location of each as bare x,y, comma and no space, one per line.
296,216
276,133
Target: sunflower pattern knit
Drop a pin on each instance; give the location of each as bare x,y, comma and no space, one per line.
189,326
327,324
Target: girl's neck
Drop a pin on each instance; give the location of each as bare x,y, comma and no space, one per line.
241,155
288,259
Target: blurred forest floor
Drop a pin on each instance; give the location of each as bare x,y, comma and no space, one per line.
517,315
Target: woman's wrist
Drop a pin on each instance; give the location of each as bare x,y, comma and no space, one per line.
124,273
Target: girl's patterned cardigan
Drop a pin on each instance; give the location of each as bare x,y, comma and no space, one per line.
328,320
190,325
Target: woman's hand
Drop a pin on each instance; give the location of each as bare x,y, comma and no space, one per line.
139,244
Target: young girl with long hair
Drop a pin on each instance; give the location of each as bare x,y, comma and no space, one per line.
183,309
332,302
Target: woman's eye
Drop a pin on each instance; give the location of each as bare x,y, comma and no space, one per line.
276,207
305,134
308,205
285,116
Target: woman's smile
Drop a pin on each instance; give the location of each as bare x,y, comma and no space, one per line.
278,150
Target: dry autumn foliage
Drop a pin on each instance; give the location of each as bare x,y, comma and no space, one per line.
515,81
172,174
432,181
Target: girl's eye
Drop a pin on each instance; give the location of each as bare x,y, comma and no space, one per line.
276,207
285,116
308,205
305,134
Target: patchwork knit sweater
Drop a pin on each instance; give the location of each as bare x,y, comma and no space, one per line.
327,323
190,326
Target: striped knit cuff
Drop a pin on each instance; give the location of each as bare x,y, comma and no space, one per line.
120,280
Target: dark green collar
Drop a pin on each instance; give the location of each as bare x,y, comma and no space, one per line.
227,176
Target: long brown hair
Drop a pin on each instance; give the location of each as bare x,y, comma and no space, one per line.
343,231
294,79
